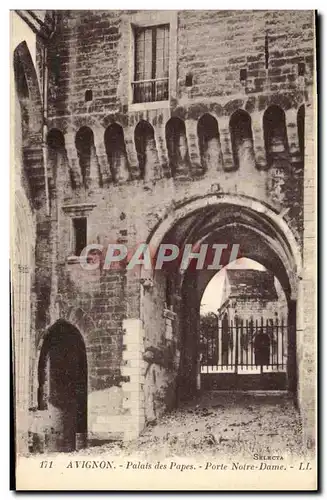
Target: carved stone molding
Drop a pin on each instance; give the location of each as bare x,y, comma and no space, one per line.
78,209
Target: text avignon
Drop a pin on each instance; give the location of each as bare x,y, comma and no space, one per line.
90,464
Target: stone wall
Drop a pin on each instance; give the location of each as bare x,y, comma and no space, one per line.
91,51
256,309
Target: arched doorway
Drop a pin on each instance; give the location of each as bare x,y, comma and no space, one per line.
62,392
243,329
261,235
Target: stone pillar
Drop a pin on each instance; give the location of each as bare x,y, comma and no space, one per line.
73,159
226,144
152,168
121,168
246,156
182,166
193,146
95,179
160,137
131,152
63,181
258,140
134,368
102,156
292,135
212,158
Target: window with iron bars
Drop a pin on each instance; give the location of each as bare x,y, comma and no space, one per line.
151,75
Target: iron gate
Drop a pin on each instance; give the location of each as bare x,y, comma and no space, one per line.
245,354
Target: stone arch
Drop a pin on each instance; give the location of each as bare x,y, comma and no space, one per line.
177,147
241,203
82,321
275,133
209,143
75,316
78,121
242,212
240,126
27,88
84,142
145,145
301,128
62,386
28,121
262,235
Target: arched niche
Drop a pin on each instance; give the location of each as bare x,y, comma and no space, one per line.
116,152
209,143
177,147
275,134
242,139
145,145
27,88
84,142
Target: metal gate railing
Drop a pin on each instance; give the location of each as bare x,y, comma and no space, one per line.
245,346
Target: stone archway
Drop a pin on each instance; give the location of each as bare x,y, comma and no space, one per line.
62,387
29,120
27,88
171,344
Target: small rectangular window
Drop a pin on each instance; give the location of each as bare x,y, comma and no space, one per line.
151,75
243,74
80,234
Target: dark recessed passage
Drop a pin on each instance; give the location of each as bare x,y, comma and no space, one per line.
189,80
55,139
62,387
88,95
243,74
301,69
80,232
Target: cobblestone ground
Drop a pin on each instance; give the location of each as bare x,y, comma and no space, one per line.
219,424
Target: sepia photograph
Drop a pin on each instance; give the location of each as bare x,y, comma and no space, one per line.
163,189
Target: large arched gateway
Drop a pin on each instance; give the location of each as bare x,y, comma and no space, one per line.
62,387
173,303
